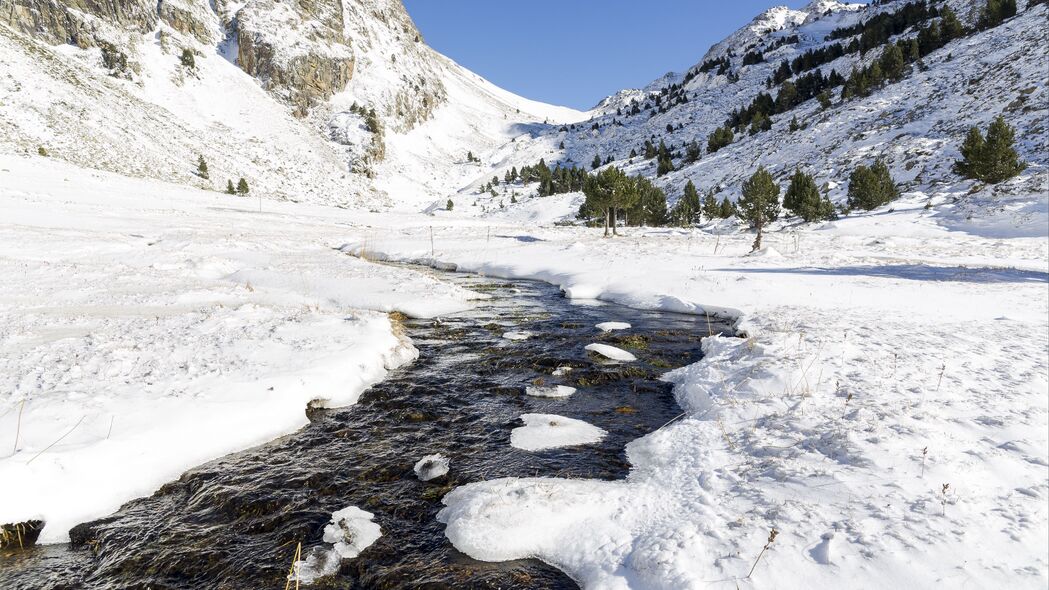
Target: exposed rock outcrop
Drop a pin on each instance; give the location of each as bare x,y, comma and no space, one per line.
80,22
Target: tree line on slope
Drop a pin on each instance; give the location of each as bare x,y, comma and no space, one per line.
611,194
890,66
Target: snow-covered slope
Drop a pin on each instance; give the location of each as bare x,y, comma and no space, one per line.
916,125
278,93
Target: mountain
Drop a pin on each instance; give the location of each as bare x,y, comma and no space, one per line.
278,93
343,103
915,124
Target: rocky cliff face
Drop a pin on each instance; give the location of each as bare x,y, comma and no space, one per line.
298,51
304,52
81,22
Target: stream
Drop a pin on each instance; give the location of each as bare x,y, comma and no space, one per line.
234,523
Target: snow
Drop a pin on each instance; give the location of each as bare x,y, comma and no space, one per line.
612,326
882,355
431,467
133,299
555,391
611,352
516,335
550,431
866,341
350,532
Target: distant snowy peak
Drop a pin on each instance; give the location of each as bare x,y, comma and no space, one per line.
818,8
775,19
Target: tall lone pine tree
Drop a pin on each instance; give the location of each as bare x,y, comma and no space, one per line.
759,204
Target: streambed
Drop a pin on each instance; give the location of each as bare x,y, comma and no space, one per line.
234,523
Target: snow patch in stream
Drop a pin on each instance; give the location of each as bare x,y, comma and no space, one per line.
611,352
556,391
550,431
612,326
517,335
431,467
350,532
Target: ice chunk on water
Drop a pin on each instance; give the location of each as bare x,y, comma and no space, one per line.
612,326
517,335
431,467
549,431
616,354
350,531
552,391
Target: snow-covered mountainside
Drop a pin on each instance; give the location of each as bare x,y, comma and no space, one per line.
277,93
915,124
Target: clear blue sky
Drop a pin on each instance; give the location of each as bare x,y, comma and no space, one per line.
576,52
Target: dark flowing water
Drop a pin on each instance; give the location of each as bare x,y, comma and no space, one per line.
234,523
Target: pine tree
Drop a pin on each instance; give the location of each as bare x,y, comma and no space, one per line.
692,152
803,199
202,167
721,137
973,149
229,188
597,162
608,192
687,211
727,209
870,188
242,186
993,159
187,58
664,166
794,124
950,26
711,207
759,123
449,205
892,63
650,206
995,11
759,204
825,99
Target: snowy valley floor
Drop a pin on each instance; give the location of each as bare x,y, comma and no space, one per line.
885,357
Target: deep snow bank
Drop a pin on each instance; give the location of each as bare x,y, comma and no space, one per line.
148,328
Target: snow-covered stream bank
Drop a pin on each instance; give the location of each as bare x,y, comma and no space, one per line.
235,522
147,328
887,415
